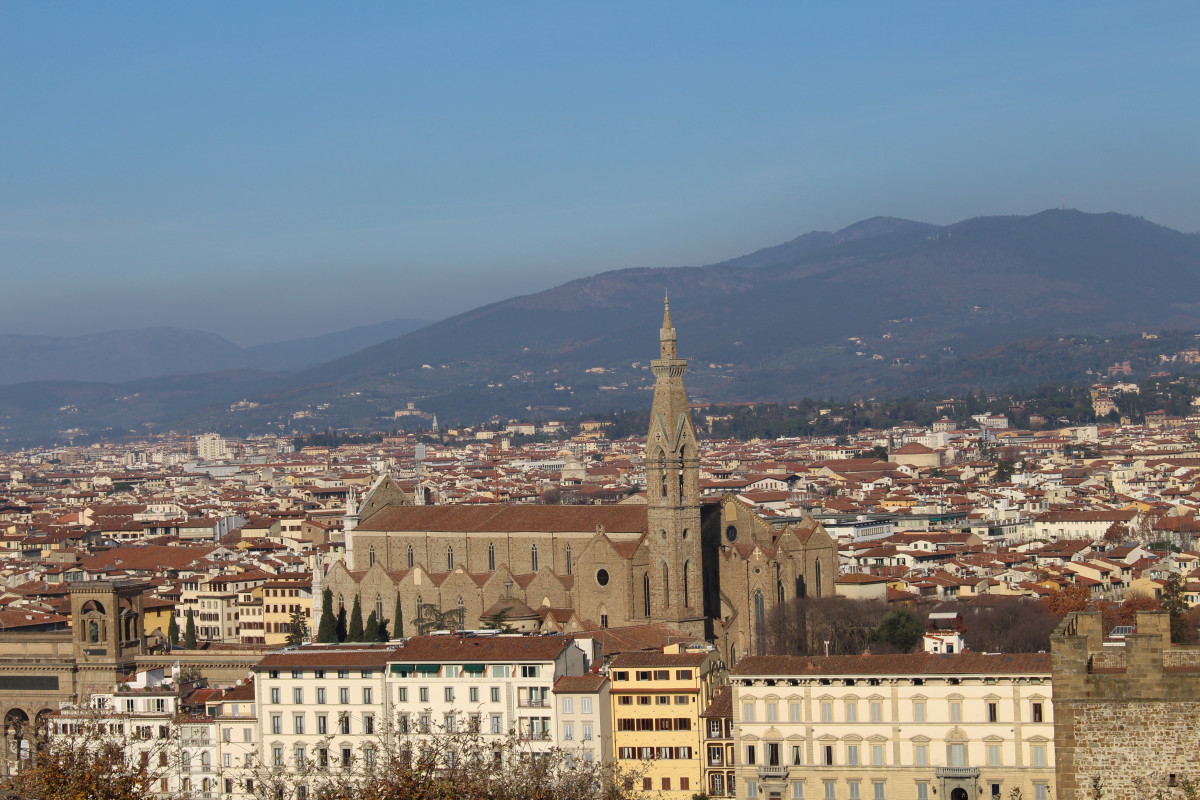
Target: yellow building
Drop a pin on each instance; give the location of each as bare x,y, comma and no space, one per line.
657,699
279,600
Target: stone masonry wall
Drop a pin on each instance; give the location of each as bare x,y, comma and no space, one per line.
1133,747
1129,716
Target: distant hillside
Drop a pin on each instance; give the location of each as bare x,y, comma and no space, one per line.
116,356
130,355
299,353
884,308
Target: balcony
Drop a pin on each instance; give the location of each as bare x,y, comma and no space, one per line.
767,771
957,773
533,702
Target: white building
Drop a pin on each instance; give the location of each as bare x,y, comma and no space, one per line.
902,727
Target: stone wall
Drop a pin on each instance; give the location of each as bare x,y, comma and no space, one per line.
1128,716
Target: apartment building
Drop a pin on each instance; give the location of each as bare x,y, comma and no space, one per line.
657,698
325,709
233,713
961,726
146,716
719,757
584,716
322,710
280,599
494,684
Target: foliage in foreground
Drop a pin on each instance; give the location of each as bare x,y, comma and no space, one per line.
440,765
82,771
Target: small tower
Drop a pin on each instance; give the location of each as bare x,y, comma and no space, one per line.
672,588
107,626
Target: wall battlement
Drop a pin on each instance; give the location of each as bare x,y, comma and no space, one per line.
1126,714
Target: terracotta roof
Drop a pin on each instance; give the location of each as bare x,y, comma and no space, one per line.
508,518
582,683
481,648
358,656
650,658
721,705
897,664
652,636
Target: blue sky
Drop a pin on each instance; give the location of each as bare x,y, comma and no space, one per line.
272,170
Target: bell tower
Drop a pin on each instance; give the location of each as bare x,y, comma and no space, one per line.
672,588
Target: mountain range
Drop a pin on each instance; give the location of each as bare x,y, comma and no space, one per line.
882,308
130,355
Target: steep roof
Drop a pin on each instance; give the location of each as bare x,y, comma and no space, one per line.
496,518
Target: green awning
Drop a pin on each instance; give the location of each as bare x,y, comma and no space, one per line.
429,668
476,669
403,668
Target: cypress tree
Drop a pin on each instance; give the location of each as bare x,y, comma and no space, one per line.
355,632
371,631
384,634
398,625
173,631
327,630
189,631
340,629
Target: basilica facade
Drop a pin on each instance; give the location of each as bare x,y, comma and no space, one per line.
713,569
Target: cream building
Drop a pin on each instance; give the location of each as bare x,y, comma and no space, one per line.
919,726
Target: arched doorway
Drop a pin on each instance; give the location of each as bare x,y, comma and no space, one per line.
17,735
958,793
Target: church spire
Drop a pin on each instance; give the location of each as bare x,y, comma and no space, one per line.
666,337
673,496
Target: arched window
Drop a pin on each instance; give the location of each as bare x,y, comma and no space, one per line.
666,586
681,473
491,558
687,596
379,608
371,556
341,602
779,591
462,613
420,609
646,593
568,559
662,471
450,559
801,588
533,557
817,576
760,619
410,557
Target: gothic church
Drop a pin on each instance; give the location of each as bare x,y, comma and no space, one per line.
712,569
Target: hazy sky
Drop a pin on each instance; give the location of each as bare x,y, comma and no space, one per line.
272,170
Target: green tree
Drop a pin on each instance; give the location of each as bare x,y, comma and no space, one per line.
173,632
340,628
355,632
499,621
384,634
297,629
1174,602
433,618
189,631
327,628
900,628
371,631
399,617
